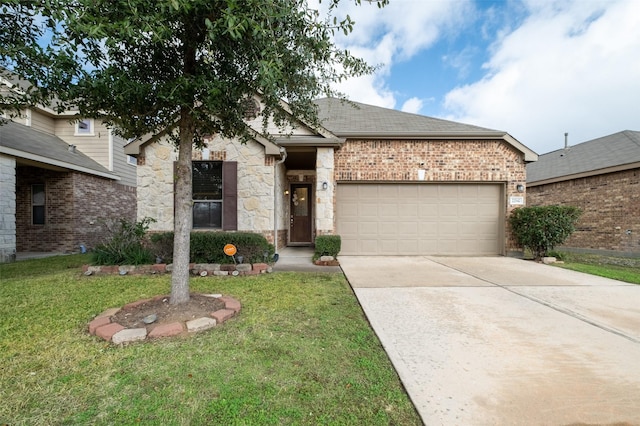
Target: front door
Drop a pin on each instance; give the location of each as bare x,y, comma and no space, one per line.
300,213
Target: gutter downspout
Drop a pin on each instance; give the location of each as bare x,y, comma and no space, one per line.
283,157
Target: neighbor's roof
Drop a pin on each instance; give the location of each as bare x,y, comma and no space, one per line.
350,119
38,148
619,151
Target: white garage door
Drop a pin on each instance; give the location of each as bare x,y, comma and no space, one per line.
415,219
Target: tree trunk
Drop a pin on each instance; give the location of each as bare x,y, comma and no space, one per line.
183,219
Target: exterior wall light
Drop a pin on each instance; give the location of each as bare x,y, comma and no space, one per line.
520,188
325,185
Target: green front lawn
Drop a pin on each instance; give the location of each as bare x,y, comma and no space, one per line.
300,352
621,269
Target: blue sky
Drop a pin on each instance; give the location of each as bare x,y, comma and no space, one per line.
533,68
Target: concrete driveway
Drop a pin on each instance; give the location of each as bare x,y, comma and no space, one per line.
496,340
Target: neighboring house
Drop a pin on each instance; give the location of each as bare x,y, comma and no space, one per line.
387,182
60,182
602,177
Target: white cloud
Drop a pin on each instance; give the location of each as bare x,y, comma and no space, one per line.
394,33
569,67
413,105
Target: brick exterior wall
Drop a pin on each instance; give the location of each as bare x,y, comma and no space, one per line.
611,207
444,161
77,206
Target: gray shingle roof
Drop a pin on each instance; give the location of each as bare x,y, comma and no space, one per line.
614,150
344,119
24,142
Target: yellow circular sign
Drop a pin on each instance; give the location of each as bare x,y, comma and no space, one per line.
230,250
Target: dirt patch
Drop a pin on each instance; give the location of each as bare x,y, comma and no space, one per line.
198,306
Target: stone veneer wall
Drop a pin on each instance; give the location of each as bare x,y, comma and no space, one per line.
611,207
77,207
7,209
444,161
324,213
255,183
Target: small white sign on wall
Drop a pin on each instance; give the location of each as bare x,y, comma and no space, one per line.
516,201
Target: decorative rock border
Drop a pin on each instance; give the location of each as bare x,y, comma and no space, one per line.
327,261
201,269
103,327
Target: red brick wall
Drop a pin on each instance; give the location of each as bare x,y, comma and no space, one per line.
610,204
76,206
444,161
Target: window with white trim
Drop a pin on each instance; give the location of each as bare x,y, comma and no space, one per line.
84,127
132,160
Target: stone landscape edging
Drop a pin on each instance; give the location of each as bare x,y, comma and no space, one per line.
201,269
103,327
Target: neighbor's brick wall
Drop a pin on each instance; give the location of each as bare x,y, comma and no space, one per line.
610,204
77,205
444,161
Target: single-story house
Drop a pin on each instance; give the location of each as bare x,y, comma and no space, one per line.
387,182
601,177
61,180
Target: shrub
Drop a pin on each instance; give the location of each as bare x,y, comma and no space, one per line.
541,228
207,247
327,245
124,245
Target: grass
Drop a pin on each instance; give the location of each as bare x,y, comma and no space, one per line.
622,269
300,352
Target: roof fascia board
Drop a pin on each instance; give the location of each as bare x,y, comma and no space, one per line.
590,173
63,164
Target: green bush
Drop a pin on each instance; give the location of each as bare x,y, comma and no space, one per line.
542,228
125,244
327,245
207,247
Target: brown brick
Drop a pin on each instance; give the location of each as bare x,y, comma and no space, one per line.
107,331
166,330
231,303
610,203
222,315
98,322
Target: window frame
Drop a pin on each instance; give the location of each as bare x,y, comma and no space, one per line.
42,205
85,132
200,201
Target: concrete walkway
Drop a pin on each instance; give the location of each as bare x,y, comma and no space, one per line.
298,259
485,341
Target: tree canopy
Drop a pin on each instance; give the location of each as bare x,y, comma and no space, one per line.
181,68
138,63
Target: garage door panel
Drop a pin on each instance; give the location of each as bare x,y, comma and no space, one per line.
388,229
427,229
448,191
408,191
448,210
407,229
388,210
368,228
409,211
421,218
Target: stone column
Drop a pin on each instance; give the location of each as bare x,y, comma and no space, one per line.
7,209
324,196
